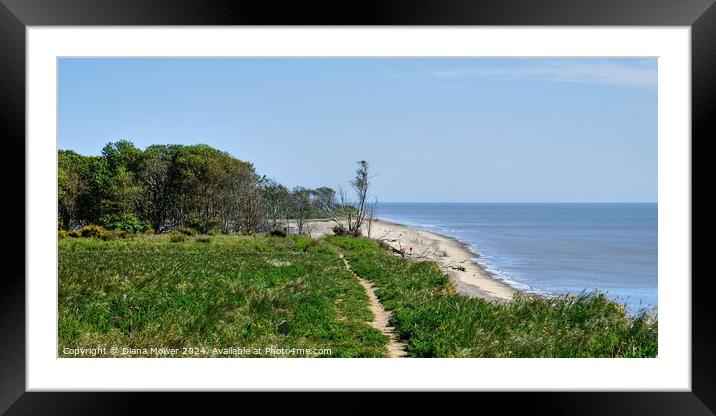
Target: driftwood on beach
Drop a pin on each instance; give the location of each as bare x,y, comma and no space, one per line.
391,248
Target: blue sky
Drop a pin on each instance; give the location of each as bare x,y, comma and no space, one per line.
433,130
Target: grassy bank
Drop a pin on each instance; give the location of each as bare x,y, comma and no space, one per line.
232,291
199,293
438,323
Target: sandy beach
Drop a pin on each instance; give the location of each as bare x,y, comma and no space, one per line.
452,255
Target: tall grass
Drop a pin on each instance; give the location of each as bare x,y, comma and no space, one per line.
247,292
437,323
294,292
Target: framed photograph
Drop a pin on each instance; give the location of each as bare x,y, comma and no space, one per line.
465,197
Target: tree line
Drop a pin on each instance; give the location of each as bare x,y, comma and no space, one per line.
167,186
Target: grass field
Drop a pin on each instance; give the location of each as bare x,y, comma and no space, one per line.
259,292
240,292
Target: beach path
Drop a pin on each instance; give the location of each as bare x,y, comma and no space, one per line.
453,257
381,317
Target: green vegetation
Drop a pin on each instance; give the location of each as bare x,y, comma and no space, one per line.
124,222
438,323
176,291
167,186
238,291
177,237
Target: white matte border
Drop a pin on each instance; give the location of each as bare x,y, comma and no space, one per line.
670,371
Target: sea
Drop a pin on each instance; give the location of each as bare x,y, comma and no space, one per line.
552,248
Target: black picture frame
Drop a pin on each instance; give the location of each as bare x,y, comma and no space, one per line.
16,15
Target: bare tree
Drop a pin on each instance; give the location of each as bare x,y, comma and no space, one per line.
360,186
334,208
301,207
277,201
349,216
247,201
156,177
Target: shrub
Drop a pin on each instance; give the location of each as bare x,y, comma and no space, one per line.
216,231
176,237
62,234
186,231
74,234
203,239
277,233
122,233
127,222
341,230
149,231
108,236
93,230
204,225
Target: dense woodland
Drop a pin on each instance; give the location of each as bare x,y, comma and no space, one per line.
168,186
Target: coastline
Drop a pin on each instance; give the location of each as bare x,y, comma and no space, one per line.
454,257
